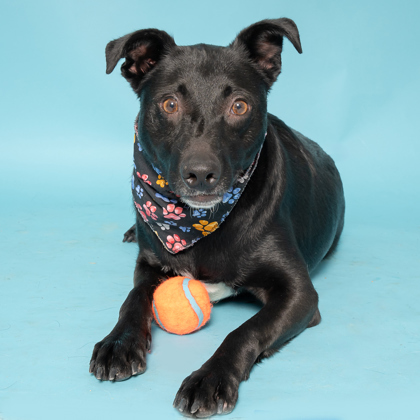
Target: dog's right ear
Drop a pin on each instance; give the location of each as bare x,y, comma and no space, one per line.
141,49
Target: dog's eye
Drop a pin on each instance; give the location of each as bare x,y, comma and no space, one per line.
239,108
170,106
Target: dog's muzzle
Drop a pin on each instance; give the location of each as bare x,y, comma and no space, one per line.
201,172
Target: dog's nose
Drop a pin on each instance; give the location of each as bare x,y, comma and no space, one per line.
201,172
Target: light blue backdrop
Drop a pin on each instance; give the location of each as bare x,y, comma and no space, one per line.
65,161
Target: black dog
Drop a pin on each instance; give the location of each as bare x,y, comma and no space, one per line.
203,123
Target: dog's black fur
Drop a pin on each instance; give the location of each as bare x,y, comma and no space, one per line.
289,217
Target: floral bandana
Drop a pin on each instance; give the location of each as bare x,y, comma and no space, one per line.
177,225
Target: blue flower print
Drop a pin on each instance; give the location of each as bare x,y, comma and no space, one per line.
231,196
199,213
132,182
185,229
158,171
139,146
139,191
224,217
166,199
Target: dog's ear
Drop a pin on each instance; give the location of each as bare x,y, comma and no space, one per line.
263,42
141,50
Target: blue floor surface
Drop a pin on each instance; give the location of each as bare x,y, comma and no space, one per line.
65,273
65,202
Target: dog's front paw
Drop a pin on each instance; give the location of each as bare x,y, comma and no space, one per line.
206,392
119,356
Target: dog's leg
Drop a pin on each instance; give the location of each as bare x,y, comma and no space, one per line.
290,303
122,353
130,235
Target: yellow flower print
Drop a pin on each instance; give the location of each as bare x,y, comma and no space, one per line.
205,227
161,181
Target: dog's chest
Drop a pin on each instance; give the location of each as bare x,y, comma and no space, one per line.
218,291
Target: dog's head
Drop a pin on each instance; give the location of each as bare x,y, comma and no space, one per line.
203,114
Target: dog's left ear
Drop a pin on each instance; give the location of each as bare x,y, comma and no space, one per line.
142,50
263,42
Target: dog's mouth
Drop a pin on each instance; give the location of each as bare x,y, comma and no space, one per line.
203,201
209,200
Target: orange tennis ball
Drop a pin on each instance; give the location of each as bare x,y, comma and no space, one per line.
181,305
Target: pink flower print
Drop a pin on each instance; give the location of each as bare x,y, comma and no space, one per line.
144,178
175,243
172,212
150,210
142,213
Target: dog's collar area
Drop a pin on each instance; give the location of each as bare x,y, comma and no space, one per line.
179,223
